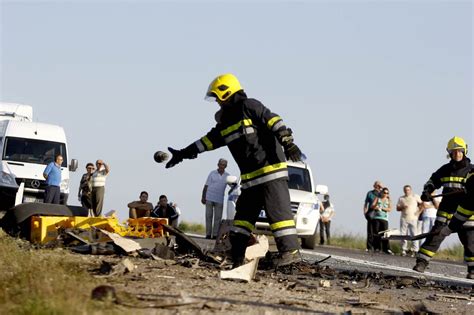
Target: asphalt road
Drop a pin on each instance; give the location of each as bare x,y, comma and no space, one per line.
349,259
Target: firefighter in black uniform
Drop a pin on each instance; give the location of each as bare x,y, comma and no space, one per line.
255,137
452,177
462,222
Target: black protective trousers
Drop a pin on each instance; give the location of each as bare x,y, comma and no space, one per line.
433,242
274,197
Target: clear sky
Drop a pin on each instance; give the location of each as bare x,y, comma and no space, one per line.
372,89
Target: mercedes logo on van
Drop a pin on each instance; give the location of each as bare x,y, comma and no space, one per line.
35,183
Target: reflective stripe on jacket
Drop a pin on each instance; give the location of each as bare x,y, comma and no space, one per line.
252,133
452,177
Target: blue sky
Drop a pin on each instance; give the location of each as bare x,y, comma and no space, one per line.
372,90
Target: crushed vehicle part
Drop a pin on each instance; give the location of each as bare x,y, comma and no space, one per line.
128,245
164,252
185,243
44,229
95,249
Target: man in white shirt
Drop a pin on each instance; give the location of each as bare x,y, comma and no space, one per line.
409,206
430,208
326,213
213,198
98,186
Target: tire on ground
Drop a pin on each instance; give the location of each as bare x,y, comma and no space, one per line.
16,220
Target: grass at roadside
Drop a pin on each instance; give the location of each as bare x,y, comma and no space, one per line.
192,227
345,240
43,281
348,240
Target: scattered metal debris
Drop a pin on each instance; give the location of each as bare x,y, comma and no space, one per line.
108,269
104,293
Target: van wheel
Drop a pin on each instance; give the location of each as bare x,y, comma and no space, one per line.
310,241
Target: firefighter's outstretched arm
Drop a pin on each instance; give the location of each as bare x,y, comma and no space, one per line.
209,142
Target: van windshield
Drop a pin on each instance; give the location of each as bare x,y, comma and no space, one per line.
33,151
299,179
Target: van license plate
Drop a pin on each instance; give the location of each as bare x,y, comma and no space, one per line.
32,199
262,214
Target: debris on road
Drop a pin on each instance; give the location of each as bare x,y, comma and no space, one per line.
253,254
104,293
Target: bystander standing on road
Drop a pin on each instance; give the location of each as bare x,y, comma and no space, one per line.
52,174
140,208
326,213
430,208
213,198
409,206
369,213
382,206
98,186
85,188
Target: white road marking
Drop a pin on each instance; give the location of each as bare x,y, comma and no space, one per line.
390,267
378,265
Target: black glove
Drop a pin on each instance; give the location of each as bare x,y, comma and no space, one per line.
292,152
425,196
177,157
429,187
190,152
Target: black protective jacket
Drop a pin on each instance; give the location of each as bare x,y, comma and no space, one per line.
452,177
254,136
464,216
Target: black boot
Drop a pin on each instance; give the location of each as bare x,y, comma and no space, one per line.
470,272
421,265
287,258
239,245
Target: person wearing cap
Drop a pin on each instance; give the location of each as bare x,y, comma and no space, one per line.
452,177
260,143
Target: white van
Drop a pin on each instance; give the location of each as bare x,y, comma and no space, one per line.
305,203
26,148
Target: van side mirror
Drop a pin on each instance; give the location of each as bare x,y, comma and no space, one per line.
321,190
73,166
231,179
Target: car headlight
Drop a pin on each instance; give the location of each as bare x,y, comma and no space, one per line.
305,208
64,184
8,179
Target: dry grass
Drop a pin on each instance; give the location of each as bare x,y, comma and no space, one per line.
43,281
454,252
192,227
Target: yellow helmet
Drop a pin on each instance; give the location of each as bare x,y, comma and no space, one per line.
456,143
223,87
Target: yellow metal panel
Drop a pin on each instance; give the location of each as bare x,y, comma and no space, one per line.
45,228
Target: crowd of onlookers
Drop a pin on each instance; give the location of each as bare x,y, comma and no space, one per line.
92,191
416,217
91,188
